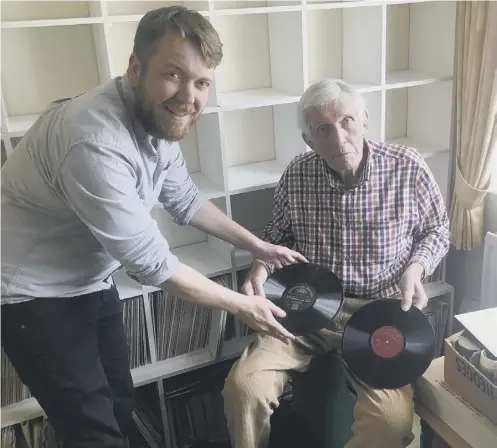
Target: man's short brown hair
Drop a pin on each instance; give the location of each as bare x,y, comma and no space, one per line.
189,24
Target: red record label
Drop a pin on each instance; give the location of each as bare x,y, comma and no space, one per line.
387,342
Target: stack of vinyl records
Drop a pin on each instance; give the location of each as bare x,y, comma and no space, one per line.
146,417
181,326
8,437
13,389
195,405
35,433
136,331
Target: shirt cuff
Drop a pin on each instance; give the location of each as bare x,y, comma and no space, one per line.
196,204
155,278
424,261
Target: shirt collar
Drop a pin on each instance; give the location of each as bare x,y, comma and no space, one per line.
363,178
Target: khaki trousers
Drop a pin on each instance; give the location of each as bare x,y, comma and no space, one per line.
382,418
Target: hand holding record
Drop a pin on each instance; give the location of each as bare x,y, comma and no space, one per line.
386,347
311,296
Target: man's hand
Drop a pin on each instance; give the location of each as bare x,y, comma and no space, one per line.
276,255
412,289
253,287
260,314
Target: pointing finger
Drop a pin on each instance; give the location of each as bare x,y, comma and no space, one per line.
277,311
299,257
282,333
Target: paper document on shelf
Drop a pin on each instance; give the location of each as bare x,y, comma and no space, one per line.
483,325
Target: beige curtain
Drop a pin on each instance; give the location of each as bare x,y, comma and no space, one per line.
476,118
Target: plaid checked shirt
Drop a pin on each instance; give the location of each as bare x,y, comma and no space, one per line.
369,234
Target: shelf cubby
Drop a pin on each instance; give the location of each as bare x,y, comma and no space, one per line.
220,5
420,117
18,13
259,143
139,8
345,43
120,41
44,62
202,151
375,123
180,326
258,67
420,42
207,254
242,212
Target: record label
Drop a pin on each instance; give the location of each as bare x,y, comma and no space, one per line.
387,342
299,297
311,296
386,347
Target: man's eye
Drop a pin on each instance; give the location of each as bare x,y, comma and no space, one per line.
323,129
173,75
203,84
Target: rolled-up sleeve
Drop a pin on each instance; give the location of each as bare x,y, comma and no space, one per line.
179,195
99,184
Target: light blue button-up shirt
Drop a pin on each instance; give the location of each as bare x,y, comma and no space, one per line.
76,199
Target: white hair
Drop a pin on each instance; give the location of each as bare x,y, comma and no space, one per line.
322,93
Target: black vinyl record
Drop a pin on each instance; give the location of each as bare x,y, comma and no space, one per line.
386,347
310,295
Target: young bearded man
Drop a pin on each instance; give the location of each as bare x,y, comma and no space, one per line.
76,199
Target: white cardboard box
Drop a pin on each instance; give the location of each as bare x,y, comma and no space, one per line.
436,395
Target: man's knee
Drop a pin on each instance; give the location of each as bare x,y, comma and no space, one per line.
396,422
255,392
240,387
390,418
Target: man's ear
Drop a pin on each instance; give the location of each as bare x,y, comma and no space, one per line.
365,121
134,70
307,140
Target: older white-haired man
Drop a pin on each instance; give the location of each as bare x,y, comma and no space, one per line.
372,213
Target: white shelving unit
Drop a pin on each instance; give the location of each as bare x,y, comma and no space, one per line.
398,53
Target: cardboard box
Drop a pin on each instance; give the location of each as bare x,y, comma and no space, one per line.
469,424
468,381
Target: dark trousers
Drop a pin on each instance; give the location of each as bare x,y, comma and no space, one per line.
73,355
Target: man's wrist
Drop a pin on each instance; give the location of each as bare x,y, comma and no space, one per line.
417,268
261,263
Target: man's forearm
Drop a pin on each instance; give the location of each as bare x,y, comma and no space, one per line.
211,220
430,250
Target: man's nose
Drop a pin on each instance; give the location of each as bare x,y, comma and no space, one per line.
341,134
186,94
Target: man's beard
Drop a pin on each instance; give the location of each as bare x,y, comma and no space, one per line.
158,125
